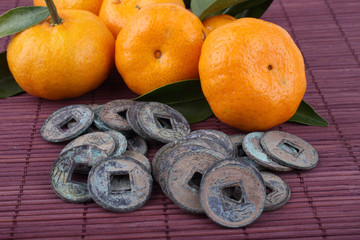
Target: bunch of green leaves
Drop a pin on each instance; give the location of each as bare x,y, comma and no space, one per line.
185,96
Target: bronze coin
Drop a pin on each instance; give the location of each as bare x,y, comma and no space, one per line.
184,177
132,118
137,144
278,191
68,175
113,114
101,140
162,123
289,150
237,140
120,184
254,150
120,142
67,123
141,158
231,194
215,135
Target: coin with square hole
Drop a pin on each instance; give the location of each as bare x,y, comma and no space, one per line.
132,118
137,144
184,177
166,164
120,184
289,150
237,140
67,123
101,140
120,142
69,173
215,135
231,194
159,156
162,123
277,191
113,114
254,150
141,158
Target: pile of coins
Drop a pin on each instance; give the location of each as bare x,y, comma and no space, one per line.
204,171
223,176
106,161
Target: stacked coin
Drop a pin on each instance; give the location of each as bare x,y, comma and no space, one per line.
98,133
223,176
204,171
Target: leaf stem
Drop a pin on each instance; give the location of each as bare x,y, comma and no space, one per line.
55,19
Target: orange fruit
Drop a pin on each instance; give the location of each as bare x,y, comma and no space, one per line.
162,45
216,21
252,74
89,5
116,13
62,61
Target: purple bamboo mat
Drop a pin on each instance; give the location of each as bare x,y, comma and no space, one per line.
325,202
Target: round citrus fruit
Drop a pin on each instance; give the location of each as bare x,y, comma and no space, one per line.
90,5
116,13
252,74
216,21
62,61
162,45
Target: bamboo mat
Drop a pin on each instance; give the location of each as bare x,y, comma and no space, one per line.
325,202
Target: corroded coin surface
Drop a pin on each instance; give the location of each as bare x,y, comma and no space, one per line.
120,184
278,191
69,172
137,144
254,150
113,114
132,118
231,194
101,140
215,135
237,140
141,158
67,123
162,123
119,140
184,177
289,150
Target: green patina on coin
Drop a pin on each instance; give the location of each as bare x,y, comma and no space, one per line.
278,191
67,123
289,150
253,149
231,194
120,184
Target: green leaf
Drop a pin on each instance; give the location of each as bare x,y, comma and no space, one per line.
185,96
305,114
253,9
21,18
8,86
236,8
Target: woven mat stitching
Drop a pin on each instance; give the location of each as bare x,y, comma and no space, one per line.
342,31
302,182
84,221
25,171
166,220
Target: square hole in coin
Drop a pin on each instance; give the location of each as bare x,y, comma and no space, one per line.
120,182
268,190
79,173
122,113
163,121
68,123
232,192
195,180
290,147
